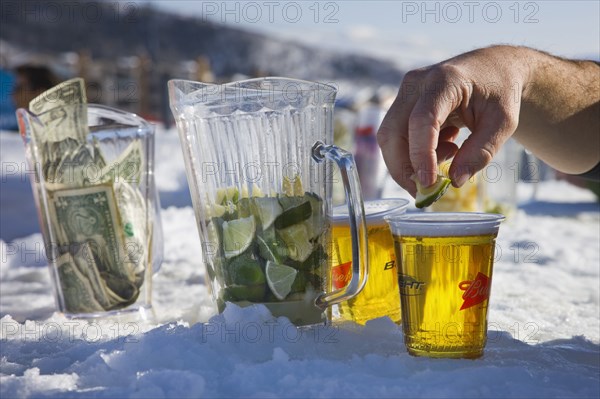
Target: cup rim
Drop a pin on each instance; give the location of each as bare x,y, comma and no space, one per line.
264,91
91,108
26,117
253,84
443,218
445,224
388,207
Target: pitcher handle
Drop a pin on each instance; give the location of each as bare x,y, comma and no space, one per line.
358,225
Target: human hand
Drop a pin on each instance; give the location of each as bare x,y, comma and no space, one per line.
480,90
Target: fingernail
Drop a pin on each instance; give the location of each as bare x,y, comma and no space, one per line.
459,180
445,158
424,178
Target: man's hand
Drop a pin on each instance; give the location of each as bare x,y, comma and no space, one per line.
480,90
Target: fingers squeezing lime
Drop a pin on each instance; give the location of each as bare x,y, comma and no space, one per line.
428,195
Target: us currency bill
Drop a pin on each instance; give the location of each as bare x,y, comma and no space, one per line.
79,167
128,167
76,290
89,214
57,110
97,213
86,265
132,211
89,217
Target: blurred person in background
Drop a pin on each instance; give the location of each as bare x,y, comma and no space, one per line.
549,104
8,121
369,162
30,82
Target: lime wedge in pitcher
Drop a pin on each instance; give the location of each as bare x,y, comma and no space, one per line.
293,214
280,279
297,240
238,235
226,194
271,247
246,280
266,209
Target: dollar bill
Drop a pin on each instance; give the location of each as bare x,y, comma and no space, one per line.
71,91
128,167
78,168
90,215
64,122
132,213
124,292
97,213
86,265
77,293
57,110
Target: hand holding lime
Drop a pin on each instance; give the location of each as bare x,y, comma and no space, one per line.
428,195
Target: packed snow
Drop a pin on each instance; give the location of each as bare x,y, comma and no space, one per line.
544,317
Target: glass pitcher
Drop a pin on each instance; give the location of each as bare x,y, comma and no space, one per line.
254,152
93,184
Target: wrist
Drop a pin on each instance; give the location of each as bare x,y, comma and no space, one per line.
516,66
537,65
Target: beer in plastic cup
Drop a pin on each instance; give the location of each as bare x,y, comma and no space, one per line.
446,264
380,297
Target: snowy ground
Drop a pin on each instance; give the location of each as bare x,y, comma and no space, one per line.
544,318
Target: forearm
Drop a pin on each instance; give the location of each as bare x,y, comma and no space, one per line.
560,113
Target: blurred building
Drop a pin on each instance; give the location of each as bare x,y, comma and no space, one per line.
134,83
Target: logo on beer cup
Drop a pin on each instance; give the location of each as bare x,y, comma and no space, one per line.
341,275
476,291
409,285
389,265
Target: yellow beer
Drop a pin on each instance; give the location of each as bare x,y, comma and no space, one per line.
380,297
445,281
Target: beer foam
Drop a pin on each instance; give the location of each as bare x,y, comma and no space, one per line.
375,211
445,224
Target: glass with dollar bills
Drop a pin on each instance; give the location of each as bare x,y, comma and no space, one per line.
97,203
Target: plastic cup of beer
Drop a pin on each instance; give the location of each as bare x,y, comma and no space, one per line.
380,296
446,262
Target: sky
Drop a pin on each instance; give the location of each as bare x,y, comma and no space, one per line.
412,33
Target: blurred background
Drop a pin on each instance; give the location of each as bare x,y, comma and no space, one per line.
127,51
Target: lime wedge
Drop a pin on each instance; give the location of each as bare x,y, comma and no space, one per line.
256,191
297,186
226,194
271,247
292,187
238,234
217,210
280,279
244,193
286,187
266,210
221,196
247,280
297,242
244,208
428,195
294,215
312,262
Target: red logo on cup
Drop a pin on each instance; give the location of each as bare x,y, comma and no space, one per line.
476,291
341,275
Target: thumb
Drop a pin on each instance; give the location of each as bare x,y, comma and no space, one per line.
480,147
